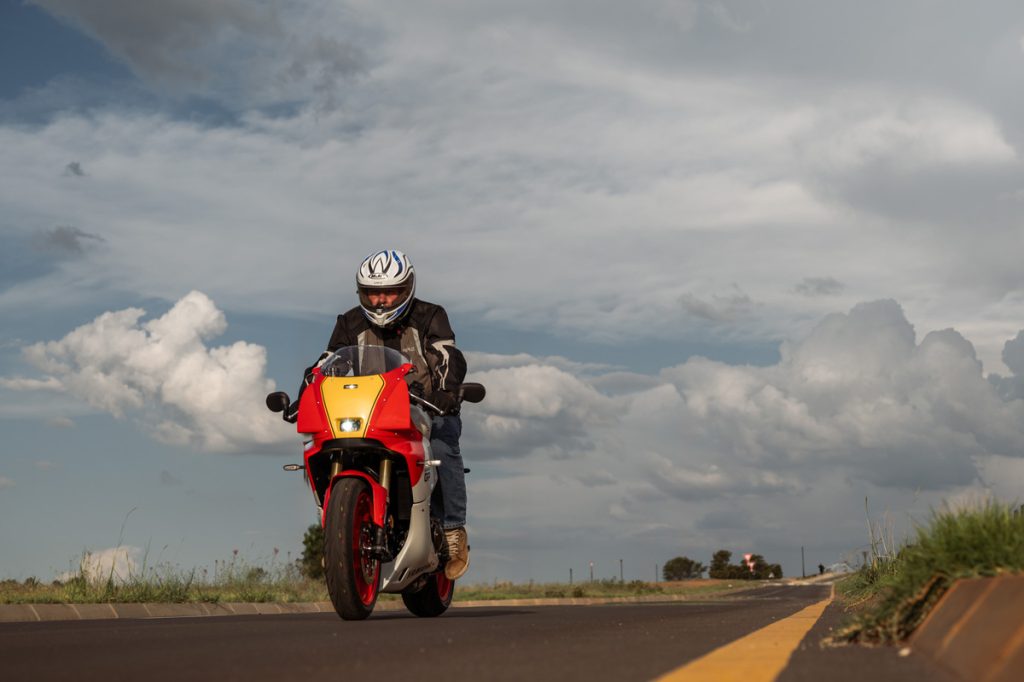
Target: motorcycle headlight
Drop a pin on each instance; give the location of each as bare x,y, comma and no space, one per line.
350,424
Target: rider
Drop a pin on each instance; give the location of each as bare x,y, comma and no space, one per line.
389,315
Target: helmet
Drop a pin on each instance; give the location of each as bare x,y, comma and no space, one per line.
390,270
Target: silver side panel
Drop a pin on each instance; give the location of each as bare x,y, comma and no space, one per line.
417,555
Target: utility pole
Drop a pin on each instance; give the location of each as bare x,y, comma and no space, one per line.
591,571
570,576
803,571
621,580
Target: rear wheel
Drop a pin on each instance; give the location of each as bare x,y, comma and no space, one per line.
433,599
352,572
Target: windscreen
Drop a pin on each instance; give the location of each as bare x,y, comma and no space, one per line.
354,361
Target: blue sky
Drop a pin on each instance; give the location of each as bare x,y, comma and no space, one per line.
726,267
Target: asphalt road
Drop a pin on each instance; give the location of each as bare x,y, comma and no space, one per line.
613,642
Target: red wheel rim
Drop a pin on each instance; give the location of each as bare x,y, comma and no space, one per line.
444,586
367,568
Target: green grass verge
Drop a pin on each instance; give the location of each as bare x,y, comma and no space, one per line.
246,584
891,596
254,584
597,589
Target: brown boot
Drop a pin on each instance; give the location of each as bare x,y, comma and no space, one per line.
458,553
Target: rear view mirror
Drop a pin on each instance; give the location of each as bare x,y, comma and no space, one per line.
278,401
473,393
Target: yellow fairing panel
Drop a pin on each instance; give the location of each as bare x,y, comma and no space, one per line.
350,397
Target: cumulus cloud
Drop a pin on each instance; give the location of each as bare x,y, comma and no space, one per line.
704,454
31,384
119,564
161,369
536,408
859,394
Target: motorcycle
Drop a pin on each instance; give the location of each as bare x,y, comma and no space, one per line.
367,459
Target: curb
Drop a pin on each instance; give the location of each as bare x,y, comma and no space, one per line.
976,631
21,613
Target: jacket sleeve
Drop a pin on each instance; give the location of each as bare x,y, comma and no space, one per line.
447,363
341,336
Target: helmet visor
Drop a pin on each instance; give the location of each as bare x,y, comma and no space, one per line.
383,300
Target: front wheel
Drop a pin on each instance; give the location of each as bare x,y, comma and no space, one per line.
433,599
352,572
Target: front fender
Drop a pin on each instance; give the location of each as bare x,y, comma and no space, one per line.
377,492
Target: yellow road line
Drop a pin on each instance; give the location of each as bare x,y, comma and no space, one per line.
759,657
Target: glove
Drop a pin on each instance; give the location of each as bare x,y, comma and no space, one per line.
445,401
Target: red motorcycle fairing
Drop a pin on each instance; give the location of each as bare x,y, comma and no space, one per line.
377,493
389,424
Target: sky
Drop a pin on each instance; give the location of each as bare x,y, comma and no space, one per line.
726,267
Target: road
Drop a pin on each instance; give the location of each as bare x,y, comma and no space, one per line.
613,642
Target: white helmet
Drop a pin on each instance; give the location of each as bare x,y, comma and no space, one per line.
386,270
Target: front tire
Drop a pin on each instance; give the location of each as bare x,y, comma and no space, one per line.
434,599
353,574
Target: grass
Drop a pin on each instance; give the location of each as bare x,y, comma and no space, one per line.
233,580
599,589
895,591
237,581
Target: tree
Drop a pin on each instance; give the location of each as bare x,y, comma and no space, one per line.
720,564
311,562
681,568
762,570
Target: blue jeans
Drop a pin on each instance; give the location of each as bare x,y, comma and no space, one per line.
444,444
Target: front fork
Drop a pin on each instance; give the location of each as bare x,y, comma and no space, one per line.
379,548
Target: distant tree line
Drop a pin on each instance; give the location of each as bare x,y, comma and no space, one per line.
682,568
311,563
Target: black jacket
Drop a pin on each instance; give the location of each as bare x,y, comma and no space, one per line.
424,336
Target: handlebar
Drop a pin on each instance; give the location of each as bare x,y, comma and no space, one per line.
280,402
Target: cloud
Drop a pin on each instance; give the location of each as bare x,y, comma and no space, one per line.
1011,387
29,384
168,479
65,240
719,308
119,564
258,53
480,361
643,193
704,455
155,40
859,394
535,408
819,286
183,391
74,169
726,519
61,422
6,482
